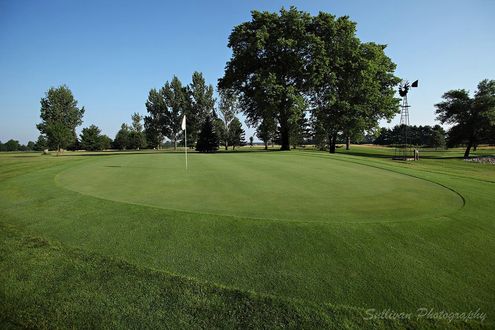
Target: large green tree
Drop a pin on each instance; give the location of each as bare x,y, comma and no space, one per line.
156,122
178,102
166,107
275,59
201,106
473,118
236,134
358,86
59,135
60,116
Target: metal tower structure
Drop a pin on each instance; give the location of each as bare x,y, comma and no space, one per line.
403,150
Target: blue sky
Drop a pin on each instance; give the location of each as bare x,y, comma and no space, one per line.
110,53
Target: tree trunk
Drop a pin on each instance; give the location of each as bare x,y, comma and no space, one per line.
468,149
284,135
226,145
332,143
348,143
266,145
475,146
175,142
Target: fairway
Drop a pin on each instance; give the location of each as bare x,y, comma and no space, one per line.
270,186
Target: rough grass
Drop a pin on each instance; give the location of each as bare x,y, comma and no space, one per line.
242,272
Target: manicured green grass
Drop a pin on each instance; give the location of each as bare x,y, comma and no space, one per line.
271,186
312,231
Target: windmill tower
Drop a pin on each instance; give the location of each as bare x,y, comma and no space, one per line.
403,151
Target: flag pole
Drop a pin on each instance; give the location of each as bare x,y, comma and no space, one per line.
185,143
184,127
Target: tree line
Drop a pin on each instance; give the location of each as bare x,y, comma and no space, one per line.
472,120
165,107
14,145
421,136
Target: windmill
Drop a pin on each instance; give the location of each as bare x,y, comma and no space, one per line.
402,149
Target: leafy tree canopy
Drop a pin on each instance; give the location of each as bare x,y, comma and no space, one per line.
60,115
280,61
92,140
473,118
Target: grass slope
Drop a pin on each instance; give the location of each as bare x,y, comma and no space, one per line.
49,285
444,262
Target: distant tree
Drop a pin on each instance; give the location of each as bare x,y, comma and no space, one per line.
227,110
121,140
137,139
236,133
207,139
156,122
422,136
383,137
266,131
201,106
106,142
60,117
221,130
369,137
30,145
299,131
472,118
41,143
91,138
437,139
11,145
74,144
137,122
178,103
22,147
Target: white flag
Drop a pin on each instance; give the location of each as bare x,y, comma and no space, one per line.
184,122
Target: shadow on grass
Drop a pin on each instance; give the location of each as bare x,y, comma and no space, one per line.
161,152
391,155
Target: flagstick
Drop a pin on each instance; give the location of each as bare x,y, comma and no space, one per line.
185,143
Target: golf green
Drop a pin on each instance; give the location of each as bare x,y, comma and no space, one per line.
273,186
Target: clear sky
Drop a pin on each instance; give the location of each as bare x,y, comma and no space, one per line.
111,53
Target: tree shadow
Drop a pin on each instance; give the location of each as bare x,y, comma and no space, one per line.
382,155
167,152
